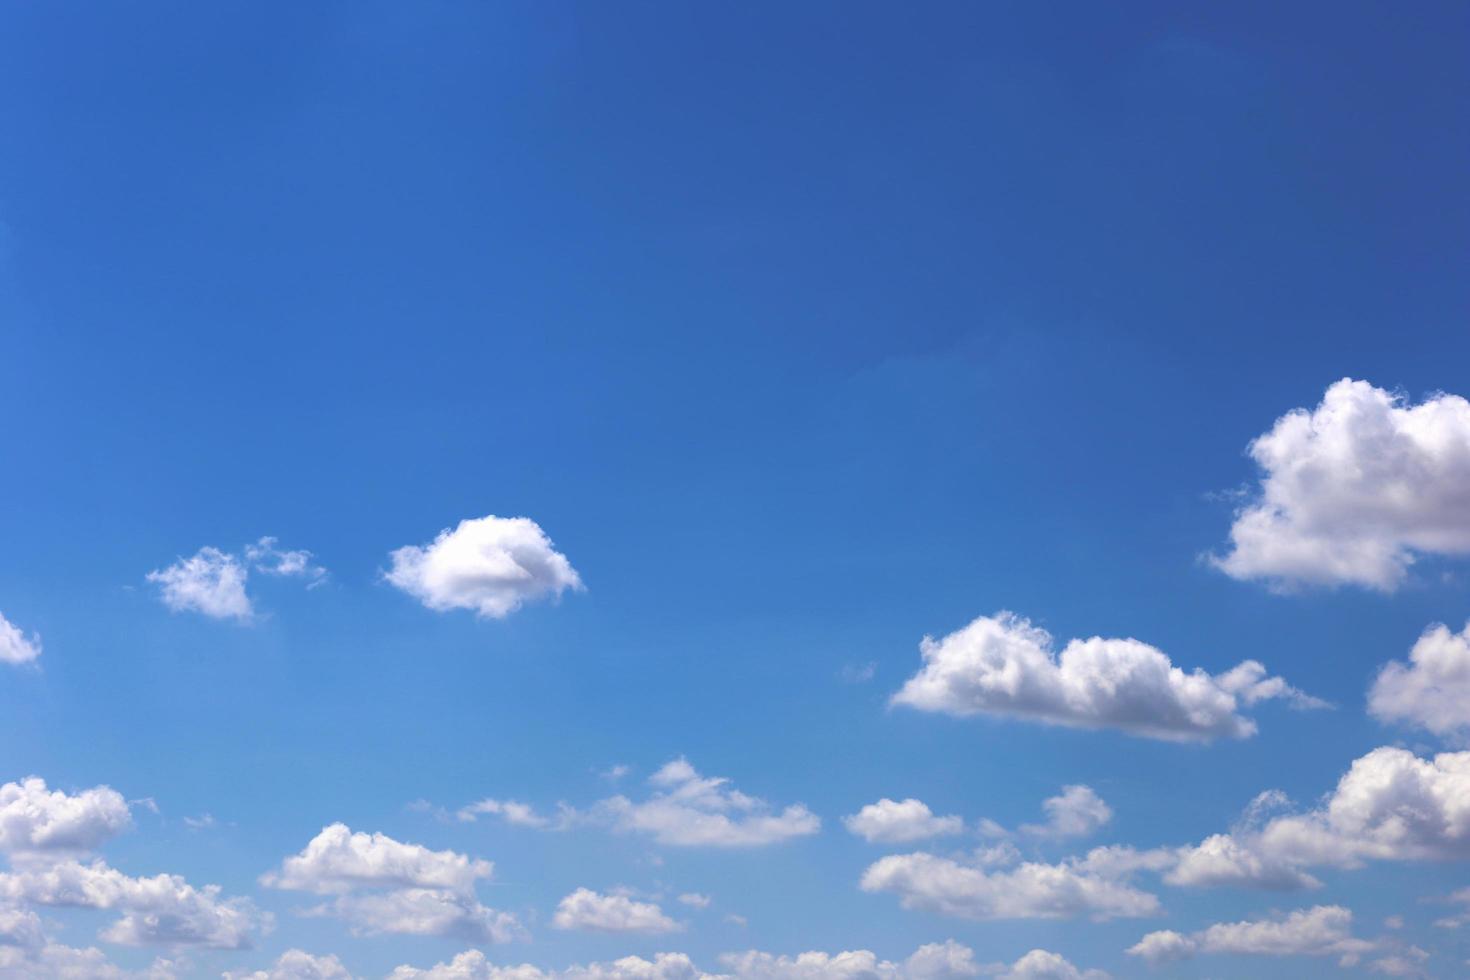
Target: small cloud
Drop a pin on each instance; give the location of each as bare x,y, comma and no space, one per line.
695,900
858,673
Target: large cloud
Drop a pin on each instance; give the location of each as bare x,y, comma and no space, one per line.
689,810
936,961
1433,689
15,646
423,912
34,819
894,822
1003,665
55,961
295,964
1390,805
212,582
592,911
386,886
338,860
163,910
1324,930
1354,490
492,565
1028,891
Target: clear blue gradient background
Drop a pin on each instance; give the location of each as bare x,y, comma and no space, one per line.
804,330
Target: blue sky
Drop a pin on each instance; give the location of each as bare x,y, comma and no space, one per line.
799,334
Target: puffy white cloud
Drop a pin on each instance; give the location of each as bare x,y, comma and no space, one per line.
338,860
1225,860
1040,964
424,912
936,961
1354,490
472,965
1432,690
492,565
163,910
1028,891
15,646
1324,930
34,819
592,911
891,822
1076,812
212,582
1003,665
57,962
294,964
386,886
20,927
688,810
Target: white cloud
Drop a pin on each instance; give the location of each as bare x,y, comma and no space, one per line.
1039,964
473,965
163,910
891,822
936,961
1227,860
294,964
512,812
35,819
212,582
264,556
338,860
57,962
1003,665
1324,930
492,565
695,900
1029,891
1432,690
1354,490
688,810
386,886
424,912
592,911
15,647
1076,812
1389,805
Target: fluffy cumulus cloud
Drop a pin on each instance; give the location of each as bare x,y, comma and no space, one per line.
935,961
1353,491
34,819
423,912
1324,930
511,811
1003,665
55,961
1432,690
386,886
971,890
338,860
893,822
686,809
212,582
491,565
15,646
592,911
1390,805
1040,964
1076,812
295,964
163,910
